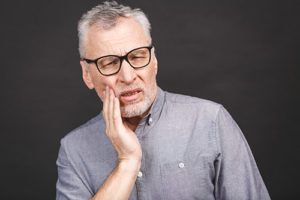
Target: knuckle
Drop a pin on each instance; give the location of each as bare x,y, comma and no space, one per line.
115,117
113,137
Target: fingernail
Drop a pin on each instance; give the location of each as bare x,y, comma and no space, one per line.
104,93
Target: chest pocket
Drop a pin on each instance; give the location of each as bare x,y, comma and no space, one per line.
188,179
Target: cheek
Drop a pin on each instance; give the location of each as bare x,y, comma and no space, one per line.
101,83
152,74
149,78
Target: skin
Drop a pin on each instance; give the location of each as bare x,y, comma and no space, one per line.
125,36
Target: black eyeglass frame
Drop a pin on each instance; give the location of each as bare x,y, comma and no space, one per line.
125,57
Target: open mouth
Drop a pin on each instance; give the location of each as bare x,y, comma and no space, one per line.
131,95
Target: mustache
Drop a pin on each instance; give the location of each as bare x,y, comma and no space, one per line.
126,88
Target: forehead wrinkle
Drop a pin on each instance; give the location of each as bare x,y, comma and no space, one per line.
112,50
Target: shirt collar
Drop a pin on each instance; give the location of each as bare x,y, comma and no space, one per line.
156,108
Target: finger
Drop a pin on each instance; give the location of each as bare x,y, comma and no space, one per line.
110,108
105,99
105,105
117,113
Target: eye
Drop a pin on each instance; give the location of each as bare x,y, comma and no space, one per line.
114,62
109,62
137,57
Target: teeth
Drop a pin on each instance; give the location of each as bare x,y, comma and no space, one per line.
130,93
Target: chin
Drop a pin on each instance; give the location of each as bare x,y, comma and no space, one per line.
138,108
135,109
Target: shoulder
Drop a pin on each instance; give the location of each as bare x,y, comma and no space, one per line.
85,134
192,106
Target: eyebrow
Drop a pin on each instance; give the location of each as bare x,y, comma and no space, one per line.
126,52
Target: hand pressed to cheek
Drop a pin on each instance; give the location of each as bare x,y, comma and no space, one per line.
111,113
122,137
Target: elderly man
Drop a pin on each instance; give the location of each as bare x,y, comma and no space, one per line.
147,143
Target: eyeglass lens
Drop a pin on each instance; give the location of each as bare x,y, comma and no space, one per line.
137,58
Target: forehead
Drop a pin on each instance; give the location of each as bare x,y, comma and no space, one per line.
128,34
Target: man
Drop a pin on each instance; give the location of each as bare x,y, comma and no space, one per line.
147,143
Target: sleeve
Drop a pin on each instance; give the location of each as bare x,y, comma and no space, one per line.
237,175
69,184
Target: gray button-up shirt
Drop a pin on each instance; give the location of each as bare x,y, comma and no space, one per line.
192,149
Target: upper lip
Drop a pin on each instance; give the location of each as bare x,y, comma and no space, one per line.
130,91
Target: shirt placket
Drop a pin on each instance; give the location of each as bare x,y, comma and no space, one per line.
140,132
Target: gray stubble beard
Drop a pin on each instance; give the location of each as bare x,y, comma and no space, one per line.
137,109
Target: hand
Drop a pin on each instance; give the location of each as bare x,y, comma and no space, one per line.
122,137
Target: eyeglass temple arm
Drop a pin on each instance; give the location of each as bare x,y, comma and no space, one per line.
88,60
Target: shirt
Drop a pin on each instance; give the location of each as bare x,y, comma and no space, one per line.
192,149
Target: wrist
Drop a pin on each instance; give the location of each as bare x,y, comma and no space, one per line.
129,165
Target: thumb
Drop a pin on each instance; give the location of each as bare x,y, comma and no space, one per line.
125,123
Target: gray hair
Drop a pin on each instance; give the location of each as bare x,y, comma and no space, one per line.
105,16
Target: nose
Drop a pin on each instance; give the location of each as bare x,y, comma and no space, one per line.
127,74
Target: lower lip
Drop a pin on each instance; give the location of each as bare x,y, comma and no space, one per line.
131,98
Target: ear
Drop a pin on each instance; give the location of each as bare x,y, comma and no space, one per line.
86,76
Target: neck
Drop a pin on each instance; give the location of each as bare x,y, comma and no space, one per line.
133,122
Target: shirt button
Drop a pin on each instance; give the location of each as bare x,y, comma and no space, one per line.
150,120
181,165
140,174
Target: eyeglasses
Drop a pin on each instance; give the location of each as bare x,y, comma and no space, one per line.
111,64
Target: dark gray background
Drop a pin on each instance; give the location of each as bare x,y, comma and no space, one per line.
242,54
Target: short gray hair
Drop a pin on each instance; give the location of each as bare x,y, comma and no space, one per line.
105,16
